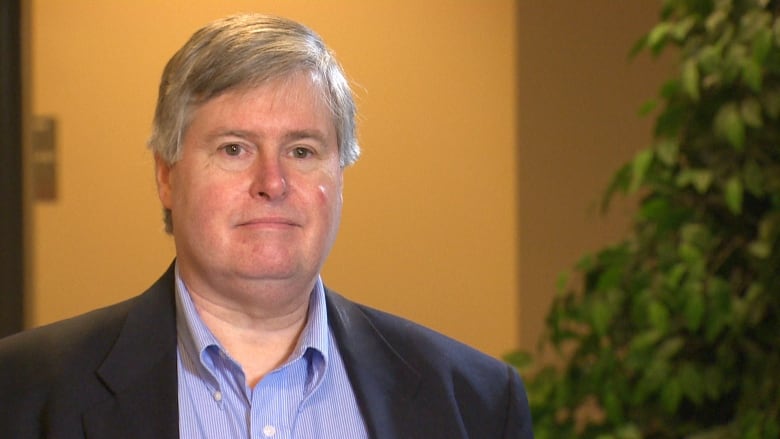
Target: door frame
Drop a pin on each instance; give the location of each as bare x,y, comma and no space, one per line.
12,227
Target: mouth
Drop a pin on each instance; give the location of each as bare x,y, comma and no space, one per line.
268,223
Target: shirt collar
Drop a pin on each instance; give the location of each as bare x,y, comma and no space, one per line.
196,338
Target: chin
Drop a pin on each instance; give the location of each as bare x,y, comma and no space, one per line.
263,270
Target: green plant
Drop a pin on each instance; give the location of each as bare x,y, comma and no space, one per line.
675,332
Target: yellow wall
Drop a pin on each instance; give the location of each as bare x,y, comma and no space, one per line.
429,227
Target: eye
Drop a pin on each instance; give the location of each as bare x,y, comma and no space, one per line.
233,149
300,152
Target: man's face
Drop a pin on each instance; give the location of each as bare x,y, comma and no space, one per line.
257,192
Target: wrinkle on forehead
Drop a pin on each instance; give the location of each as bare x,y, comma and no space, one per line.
281,88
314,86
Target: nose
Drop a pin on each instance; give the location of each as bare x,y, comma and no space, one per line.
269,180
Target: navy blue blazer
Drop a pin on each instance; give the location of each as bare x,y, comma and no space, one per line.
111,374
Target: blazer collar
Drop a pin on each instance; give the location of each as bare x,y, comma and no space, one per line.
140,372
384,384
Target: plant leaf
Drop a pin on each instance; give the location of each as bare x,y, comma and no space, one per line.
666,150
752,74
647,107
762,44
693,311
671,395
750,110
658,316
700,179
715,20
600,317
640,165
690,79
733,194
656,39
519,359
729,125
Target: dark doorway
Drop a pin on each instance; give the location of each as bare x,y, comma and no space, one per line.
12,277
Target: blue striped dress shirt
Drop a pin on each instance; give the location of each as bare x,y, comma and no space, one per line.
309,396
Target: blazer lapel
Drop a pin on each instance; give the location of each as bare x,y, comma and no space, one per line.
140,372
384,384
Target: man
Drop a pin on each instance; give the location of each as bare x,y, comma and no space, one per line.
239,338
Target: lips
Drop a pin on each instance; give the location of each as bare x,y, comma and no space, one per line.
269,222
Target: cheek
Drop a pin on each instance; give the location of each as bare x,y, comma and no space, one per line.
329,200
329,196
200,199
322,194
329,187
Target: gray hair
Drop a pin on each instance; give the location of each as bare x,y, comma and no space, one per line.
247,50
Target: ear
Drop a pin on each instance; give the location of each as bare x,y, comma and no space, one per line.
162,172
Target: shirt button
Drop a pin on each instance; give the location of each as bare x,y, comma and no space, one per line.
269,431
217,396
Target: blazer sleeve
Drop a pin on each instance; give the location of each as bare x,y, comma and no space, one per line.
518,416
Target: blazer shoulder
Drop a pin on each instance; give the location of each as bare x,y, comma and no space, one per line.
56,378
48,349
419,344
484,394
87,337
49,365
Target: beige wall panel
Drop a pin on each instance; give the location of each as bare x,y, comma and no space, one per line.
429,226
579,96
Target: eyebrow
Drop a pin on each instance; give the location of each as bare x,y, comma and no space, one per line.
287,138
305,134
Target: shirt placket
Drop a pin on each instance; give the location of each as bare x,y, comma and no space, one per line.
276,402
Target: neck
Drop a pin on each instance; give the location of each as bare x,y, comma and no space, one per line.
258,328
259,346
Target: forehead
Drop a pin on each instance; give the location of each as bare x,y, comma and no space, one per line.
292,101
297,83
